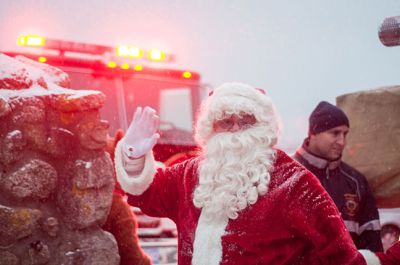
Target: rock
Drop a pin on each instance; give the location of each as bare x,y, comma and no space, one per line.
51,226
11,147
5,108
59,142
8,258
28,110
35,180
39,253
85,191
90,248
93,134
54,168
17,223
35,135
94,172
78,100
100,249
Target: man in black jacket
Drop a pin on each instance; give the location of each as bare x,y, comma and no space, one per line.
321,154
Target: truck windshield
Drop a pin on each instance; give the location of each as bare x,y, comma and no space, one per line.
171,100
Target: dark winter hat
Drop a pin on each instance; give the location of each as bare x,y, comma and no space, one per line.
326,116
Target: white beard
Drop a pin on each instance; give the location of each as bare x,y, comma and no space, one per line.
235,172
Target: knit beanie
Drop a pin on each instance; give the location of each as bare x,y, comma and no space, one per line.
326,116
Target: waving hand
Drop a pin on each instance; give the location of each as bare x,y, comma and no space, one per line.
142,134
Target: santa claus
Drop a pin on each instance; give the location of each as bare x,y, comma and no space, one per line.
241,201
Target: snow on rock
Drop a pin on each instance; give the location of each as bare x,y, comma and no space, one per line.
16,75
51,73
21,77
4,107
12,144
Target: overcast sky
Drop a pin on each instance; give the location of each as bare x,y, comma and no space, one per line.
300,51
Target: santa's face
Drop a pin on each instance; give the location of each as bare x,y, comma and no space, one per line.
235,169
234,123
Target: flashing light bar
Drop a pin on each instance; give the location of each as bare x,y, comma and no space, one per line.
31,40
78,47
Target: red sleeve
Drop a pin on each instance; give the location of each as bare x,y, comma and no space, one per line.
392,255
161,199
314,216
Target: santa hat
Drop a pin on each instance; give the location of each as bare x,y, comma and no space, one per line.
326,116
236,98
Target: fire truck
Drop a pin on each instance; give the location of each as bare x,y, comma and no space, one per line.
130,77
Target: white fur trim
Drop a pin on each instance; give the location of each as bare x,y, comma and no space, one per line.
370,257
134,185
207,246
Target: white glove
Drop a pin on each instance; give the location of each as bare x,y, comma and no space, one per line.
142,134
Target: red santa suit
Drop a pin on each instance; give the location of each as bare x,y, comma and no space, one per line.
292,220
296,222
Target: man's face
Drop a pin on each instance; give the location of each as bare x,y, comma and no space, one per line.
329,144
